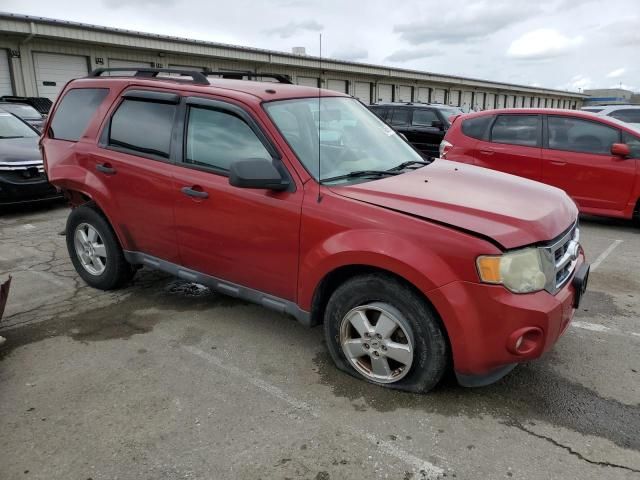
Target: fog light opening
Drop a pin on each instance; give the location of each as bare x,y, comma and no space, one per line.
525,341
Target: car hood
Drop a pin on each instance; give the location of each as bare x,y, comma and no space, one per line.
510,210
19,149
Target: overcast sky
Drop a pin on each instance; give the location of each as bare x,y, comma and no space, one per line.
566,44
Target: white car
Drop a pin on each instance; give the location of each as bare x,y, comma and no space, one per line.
626,113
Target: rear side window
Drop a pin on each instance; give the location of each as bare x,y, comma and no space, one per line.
576,135
633,142
630,115
75,111
400,117
143,126
477,127
216,139
424,117
380,112
516,130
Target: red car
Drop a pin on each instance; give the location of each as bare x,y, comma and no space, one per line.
304,201
596,160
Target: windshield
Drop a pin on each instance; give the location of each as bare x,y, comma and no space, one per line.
352,139
23,111
11,127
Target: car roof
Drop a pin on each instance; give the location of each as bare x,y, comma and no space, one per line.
613,108
264,91
557,111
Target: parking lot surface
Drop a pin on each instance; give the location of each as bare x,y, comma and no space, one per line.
165,379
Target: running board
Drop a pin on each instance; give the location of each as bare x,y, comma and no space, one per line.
221,286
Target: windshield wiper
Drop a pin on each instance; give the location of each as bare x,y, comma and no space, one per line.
404,165
361,173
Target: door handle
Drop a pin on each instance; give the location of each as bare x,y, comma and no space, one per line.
192,192
558,163
105,168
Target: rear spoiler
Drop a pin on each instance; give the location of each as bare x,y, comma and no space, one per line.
453,118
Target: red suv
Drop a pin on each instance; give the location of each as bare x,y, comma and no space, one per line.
302,200
596,160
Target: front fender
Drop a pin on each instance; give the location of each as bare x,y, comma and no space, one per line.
385,250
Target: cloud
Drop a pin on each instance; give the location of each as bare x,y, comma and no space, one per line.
351,53
406,55
618,72
577,82
475,21
138,3
542,44
292,28
624,33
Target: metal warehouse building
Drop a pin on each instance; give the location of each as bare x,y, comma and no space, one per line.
39,55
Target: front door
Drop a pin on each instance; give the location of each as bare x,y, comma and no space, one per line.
578,160
423,133
248,237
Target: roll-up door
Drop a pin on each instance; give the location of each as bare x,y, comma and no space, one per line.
337,85
422,95
467,98
478,101
500,99
53,71
490,101
439,95
454,98
5,74
363,92
385,92
404,93
307,81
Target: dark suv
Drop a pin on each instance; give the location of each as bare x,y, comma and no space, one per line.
423,124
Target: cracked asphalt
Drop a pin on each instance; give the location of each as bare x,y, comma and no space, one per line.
165,380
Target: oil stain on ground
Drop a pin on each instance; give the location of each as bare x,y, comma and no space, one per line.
531,392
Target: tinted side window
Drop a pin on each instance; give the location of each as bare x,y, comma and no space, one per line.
633,142
476,127
578,135
400,116
630,115
380,112
217,139
75,111
516,130
424,117
143,126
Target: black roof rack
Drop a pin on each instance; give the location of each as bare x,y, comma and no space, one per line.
199,78
239,75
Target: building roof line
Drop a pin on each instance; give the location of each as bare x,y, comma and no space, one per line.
393,71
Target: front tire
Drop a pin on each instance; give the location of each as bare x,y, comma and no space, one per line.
95,251
378,329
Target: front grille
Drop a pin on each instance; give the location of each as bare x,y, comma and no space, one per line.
22,172
561,258
22,166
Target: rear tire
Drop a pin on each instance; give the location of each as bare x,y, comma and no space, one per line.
375,319
95,251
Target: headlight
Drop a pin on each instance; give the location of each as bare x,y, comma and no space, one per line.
521,271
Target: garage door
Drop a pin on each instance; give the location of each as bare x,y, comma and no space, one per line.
308,81
5,75
385,92
115,63
454,98
478,101
467,98
439,95
405,93
422,95
363,92
337,85
500,99
53,71
490,101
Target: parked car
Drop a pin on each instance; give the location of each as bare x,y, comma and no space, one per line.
331,217
24,112
626,113
423,124
22,176
595,159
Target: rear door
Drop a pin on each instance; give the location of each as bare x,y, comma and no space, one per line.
578,159
513,146
248,237
422,132
134,162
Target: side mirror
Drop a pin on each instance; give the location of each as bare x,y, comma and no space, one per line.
256,173
620,150
437,124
